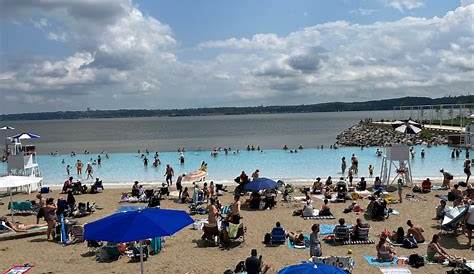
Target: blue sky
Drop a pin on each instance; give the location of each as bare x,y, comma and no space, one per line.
107,54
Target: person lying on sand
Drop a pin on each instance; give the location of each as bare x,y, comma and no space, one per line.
19,227
296,238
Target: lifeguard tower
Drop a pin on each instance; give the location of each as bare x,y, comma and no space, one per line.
22,168
396,164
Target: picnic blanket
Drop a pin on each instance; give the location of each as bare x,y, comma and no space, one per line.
395,270
18,269
373,261
291,245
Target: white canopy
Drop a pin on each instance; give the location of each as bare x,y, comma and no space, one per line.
19,181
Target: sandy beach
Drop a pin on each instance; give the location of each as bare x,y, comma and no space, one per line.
184,252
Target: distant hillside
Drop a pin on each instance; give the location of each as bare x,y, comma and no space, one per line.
386,104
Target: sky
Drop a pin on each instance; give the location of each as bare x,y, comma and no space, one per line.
114,54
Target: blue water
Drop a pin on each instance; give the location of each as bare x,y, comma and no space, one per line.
278,164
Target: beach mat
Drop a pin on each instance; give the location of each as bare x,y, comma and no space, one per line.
292,246
18,269
373,261
320,217
366,242
395,270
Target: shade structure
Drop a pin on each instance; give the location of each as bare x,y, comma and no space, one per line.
136,225
25,136
407,126
311,268
7,128
260,184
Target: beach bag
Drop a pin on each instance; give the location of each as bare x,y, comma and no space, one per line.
416,260
267,239
449,176
451,196
417,189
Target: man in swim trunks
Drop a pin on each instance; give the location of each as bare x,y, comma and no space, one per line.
169,173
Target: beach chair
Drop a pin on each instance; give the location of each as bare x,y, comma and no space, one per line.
108,253
453,218
22,207
341,234
7,233
77,233
278,236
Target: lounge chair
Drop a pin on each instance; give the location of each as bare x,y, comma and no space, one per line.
7,233
278,236
22,207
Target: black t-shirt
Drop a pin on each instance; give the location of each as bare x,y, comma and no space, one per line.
252,265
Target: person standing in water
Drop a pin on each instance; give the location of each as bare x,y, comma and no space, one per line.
145,161
99,160
68,170
89,171
422,153
79,167
371,171
181,158
343,165
169,173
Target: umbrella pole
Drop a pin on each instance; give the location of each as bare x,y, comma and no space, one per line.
141,257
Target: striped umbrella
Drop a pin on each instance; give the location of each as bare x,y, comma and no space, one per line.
407,126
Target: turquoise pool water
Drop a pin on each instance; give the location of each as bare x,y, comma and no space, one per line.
278,164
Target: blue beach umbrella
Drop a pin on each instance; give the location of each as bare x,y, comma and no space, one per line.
260,184
137,225
311,268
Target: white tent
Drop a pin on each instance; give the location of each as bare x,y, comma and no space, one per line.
9,182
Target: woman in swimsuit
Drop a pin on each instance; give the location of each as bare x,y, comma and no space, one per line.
384,251
19,227
435,253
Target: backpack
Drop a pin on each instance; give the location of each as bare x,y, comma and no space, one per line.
416,260
267,239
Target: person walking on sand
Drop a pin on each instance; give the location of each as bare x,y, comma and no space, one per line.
400,189
169,173
79,167
467,169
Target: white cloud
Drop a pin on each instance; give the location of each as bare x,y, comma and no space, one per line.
120,53
402,5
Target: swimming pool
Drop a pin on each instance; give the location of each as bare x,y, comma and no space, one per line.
277,164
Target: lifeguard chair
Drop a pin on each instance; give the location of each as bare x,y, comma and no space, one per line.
396,164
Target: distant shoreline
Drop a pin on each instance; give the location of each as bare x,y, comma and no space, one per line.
386,104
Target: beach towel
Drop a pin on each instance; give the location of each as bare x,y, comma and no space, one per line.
306,245
395,270
18,269
394,212
233,229
373,261
320,217
328,229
